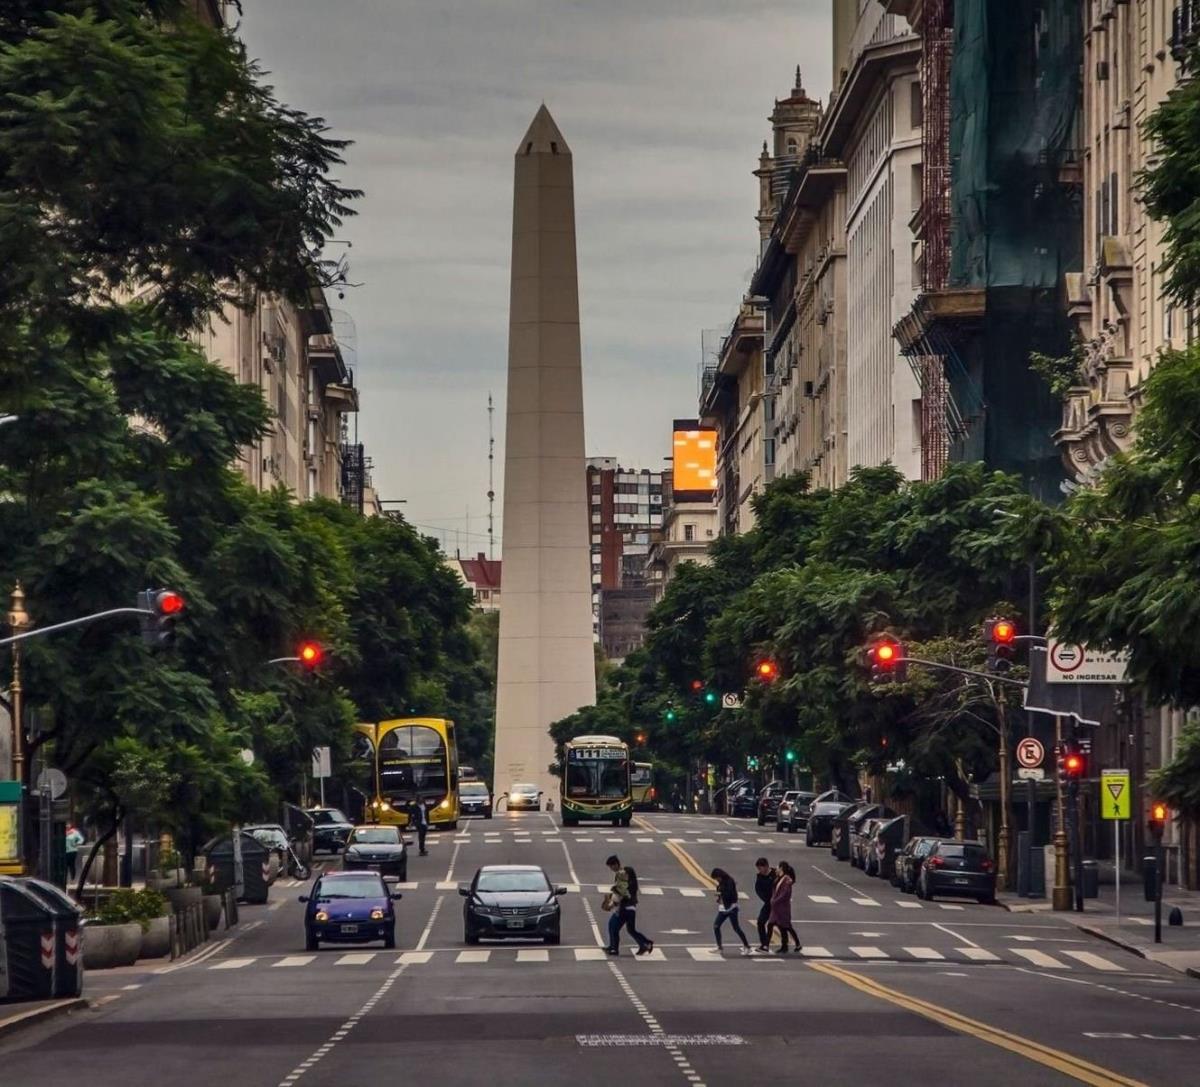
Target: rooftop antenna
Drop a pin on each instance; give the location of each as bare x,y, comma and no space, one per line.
491,480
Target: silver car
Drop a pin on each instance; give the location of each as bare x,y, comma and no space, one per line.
524,798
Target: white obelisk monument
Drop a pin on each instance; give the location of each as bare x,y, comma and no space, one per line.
546,668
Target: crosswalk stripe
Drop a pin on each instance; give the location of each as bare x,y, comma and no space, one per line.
473,956
705,841
573,888
1089,959
691,892
231,964
414,958
705,954
533,954
1040,958
869,952
737,841
584,839
864,902
356,958
650,890
295,960
823,899
407,886
908,905
590,954
924,953
645,839
766,841
949,906
817,953
654,956
977,954
446,885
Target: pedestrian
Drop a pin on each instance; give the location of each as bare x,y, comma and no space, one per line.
623,902
764,886
419,817
727,907
73,841
781,907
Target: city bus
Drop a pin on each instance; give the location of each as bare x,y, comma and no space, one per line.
641,784
595,781
412,756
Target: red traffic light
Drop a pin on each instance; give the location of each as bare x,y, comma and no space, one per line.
168,602
697,684
1073,764
1004,631
885,652
767,670
310,654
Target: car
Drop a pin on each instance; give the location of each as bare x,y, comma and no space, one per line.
959,869
330,829
742,800
381,848
349,907
830,795
474,799
787,805
860,839
887,840
511,900
797,817
768,801
523,798
909,861
819,829
275,838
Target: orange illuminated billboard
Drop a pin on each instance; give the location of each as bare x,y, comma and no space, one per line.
695,461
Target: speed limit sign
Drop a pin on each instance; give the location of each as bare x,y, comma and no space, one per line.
1030,752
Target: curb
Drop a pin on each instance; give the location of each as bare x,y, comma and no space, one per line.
33,1016
1100,934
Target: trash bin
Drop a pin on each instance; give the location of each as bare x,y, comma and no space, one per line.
1091,879
40,950
1150,877
256,866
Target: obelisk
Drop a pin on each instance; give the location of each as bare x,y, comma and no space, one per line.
545,667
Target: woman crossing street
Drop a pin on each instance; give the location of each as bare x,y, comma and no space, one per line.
781,907
727,908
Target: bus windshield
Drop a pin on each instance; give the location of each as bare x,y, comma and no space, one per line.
599,777
412,758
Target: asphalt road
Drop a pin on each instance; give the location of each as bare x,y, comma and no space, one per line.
888,988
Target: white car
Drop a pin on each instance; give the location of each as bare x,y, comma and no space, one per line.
524,798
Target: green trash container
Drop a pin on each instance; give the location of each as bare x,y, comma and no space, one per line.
41,953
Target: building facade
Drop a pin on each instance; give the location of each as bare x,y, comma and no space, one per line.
690,525
482,576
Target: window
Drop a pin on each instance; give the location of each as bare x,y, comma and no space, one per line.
916,108
689,533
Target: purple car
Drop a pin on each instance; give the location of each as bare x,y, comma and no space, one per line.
350,907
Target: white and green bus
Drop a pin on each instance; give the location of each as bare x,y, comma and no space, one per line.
595,781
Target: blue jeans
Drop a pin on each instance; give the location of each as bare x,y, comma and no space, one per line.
624,917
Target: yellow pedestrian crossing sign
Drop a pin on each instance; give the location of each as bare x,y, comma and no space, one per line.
1116,801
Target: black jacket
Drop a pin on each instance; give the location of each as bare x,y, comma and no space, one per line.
727,893
765,884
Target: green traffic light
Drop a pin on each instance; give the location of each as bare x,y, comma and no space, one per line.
791,756
710,697
670,715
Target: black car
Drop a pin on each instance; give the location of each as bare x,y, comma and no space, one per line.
507,900
330,829
819,829
958,868
474,799
743,800
909,861
768,801
377,847
349,907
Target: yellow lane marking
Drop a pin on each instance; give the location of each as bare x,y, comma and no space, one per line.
690,865
638,821
1068,1065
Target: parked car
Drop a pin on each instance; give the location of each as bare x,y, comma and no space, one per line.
506,900
474,799
795,815
860,841
330,829
830,795
381,848
958,868
784,809
909,861
523,798
742,799
349,907
819,829
768,801
887,840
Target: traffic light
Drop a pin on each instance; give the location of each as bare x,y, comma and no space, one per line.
790,755
640,738
1001,638
160,609
1159,813
670,713
767,671
710,698
697,685
887,660
310,655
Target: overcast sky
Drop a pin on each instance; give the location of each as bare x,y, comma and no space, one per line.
664,104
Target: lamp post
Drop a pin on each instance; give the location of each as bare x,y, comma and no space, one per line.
19,620
1061,898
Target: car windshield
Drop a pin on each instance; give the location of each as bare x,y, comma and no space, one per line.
330,815
377,835
345,887
790,796
511,881
473,789
523,789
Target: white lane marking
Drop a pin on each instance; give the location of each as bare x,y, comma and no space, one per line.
410,886
446,885
669,1044
949,906
651,956
692,892
908,905
231,964
294,960
705,841
200,956
650,890
977,954
584,839
816,953
736,841
1040,958
1089,959
429,924
825,900
338,1035
852,889
473,956
590,954
924,953
356,958
864,902
127,988
453,859
533,954
414,958
957,935
587,905
553,841
869,952
644,840
705,954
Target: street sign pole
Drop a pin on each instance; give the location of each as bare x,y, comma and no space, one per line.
1117,862
1116,805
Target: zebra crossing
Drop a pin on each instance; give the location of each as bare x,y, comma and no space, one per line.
1061,960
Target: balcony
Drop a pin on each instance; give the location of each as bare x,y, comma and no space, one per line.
325,358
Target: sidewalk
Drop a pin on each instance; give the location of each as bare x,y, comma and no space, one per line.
1180,947
14,1017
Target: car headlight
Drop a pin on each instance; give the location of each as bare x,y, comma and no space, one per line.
445,804
321,915
377,915
549,908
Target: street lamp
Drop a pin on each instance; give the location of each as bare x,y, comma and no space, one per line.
19,620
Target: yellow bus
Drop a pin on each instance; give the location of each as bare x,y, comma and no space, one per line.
413,757
595,781
641,784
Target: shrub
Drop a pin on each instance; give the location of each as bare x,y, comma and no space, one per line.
125,906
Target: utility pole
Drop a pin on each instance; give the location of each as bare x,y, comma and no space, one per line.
491,480
19,621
